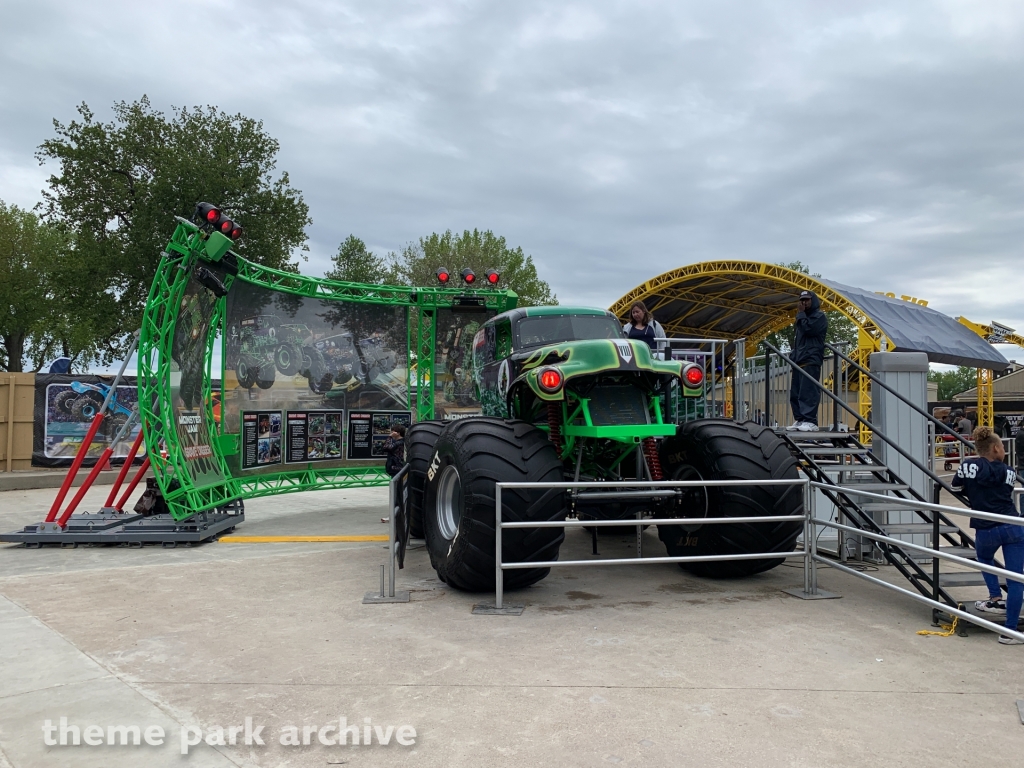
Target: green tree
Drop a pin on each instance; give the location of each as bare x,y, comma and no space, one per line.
354,263
120,185
840,328
418,263
952,383
44,307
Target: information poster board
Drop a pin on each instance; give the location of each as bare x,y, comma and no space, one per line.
313,436
367,431
261,438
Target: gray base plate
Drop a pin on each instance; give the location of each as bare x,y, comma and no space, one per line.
489,610
372,598
822,594
111,527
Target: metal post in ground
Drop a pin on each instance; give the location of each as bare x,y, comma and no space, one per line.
814,539
807,537
391,538
392,596
936,543
810,589
498,575
499,607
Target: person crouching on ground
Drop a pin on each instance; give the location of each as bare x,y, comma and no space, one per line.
808,353
394,446
989,483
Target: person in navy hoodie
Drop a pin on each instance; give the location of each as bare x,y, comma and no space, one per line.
808,352
989,483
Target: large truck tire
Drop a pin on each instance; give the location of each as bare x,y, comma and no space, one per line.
419,450
721,449
63,401
288,359
86,406
469,457
246,371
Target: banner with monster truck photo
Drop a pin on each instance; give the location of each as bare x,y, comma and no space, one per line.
302,362
454,393
64,407
188,377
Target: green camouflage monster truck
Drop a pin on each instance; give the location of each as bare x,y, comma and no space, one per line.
268,346
566,397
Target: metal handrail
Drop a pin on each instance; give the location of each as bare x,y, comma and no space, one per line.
809,553
945,427
835,399
810,548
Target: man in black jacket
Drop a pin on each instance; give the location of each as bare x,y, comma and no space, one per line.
808,353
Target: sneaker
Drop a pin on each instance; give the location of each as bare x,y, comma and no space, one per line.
794,426
1005,640
806,426
991,606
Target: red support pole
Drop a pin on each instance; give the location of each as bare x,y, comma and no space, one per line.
63,520
131,486
124,470
79,458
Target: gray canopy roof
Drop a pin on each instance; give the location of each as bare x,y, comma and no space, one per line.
916,328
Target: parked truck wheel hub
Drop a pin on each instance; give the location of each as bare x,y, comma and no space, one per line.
449,502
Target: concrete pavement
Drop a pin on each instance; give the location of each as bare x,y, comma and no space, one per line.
622,666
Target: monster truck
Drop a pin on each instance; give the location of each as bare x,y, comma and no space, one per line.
566,397
83,401
339,359
268,346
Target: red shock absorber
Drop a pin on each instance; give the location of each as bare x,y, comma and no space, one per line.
555,424
650,448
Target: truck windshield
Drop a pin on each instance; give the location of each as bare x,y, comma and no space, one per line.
551,329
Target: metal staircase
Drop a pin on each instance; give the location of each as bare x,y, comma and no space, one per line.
839,461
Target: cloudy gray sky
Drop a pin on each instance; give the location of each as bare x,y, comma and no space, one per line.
880,143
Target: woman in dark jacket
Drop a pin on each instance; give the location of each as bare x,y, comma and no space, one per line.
643,327
395,447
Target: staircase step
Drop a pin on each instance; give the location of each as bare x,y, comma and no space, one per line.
961,579
820,433
831,450
875,505
965,552
875,486
918,528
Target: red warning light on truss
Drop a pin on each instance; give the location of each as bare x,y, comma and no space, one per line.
442,275
207,213
492,276
467,275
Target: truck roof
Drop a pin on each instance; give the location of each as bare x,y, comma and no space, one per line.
521,312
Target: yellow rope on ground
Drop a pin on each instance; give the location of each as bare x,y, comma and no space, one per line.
950,629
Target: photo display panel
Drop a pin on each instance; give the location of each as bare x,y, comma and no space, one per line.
314,435
367,431
261,439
